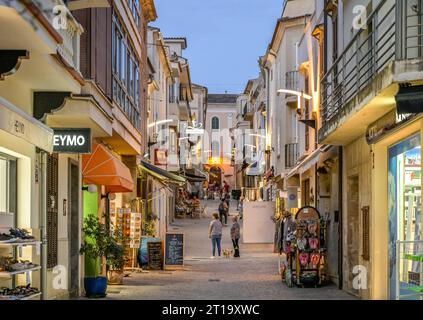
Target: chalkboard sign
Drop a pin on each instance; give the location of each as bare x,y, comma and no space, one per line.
155,256
174,249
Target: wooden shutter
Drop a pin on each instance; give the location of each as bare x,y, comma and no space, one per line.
366,232
52,210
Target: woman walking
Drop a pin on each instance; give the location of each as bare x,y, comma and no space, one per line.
215,234
235,235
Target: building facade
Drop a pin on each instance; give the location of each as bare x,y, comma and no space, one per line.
221,116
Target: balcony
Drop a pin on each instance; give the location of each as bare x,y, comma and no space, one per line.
63,22
292,82
248,111
69,49
361,84
291,155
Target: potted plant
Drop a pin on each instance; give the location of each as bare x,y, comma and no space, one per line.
115,257
95,246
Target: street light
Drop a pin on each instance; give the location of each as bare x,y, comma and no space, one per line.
299,94
153,124
257,135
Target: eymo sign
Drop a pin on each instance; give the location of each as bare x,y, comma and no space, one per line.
72,140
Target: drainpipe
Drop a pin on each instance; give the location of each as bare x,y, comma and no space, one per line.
340,221
43,222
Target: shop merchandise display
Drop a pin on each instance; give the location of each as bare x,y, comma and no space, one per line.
11,264
130,224
18,293
16,235
301,241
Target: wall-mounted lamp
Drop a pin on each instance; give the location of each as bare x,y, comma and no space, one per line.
296,93
91,188
110,196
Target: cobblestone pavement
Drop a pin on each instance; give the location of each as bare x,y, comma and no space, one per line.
253,276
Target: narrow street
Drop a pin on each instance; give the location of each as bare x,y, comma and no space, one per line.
253,276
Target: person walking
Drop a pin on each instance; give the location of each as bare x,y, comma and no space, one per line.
226,188
215,234
223,209
235,235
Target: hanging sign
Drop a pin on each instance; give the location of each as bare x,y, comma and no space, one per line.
72,140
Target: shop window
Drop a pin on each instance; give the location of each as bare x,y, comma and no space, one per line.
8,180
405,216
52,210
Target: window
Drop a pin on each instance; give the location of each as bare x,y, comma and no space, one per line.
215,147
8,180
126,75
215,123
307,116
134,6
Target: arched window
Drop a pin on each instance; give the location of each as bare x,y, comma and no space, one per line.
215,123
215,148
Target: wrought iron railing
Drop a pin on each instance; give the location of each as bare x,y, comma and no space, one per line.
394,31
291,155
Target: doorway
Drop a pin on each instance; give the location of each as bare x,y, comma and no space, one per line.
353,237
216,176
73,231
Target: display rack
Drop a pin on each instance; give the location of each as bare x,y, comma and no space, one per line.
130,224
306,253
14,249
309,253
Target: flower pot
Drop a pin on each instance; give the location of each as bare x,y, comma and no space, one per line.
115,277
95,287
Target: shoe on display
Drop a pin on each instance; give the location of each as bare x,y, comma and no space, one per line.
6,238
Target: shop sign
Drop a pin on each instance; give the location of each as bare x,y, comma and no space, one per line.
160,157
72,140
20,124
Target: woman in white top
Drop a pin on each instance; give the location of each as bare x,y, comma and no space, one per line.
215,234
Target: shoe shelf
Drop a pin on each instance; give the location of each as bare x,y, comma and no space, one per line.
19,244
14,249
8,274
13,298
32,296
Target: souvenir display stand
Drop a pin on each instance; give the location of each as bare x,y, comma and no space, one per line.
309,254
130,224
304,250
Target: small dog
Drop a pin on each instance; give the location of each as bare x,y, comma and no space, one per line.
227,253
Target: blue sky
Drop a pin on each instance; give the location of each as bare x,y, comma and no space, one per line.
225,37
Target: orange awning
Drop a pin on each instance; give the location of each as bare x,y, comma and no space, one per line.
101,167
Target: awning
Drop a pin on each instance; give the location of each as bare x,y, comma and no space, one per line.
161,174
309,161
254,170
102,168
193,175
